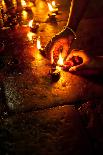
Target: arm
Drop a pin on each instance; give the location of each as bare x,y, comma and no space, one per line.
77,11
67,35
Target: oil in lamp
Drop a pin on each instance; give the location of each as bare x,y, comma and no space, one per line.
33,27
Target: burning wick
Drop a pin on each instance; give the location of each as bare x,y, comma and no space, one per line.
55,69
33,28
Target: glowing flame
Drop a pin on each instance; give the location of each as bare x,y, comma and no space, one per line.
31,23
60,61
38,43
4,5
53,3
30,36
50,7
24,15
23,3
14,3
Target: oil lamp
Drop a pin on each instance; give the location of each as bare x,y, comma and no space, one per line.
56,68
53,11
39,47
33,27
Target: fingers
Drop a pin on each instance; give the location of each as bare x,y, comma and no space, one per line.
61,46
77,68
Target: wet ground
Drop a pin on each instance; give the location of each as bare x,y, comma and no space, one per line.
38,116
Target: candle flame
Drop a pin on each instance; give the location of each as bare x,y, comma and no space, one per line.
60,61
50,7
38,43
23,3
31,23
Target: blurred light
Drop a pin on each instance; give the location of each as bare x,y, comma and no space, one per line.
23,3
38,43
31,23
50,7
53,3
30,36
60,61
24,14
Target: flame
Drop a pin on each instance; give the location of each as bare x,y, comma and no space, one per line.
53,3
4,6
23,3
60,61
24,15
38,43
31,23
50,7
30,36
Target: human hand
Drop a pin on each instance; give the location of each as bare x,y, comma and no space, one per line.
86,63
60,43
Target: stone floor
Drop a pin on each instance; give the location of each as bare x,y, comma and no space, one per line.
38,117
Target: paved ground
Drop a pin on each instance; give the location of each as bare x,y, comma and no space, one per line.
39,117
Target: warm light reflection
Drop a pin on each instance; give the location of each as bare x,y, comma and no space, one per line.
50,7
38,43
60,61
31,23
23,3
24,15
30,36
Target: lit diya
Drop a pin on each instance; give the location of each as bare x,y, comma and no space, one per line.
39,47
53,11
56,66
33,27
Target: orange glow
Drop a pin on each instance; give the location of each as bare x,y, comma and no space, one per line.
23,3
30,36
60,61
53,3
50,7
31,23
38,43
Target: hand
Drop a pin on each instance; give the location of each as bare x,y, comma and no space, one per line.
87,61
60,43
